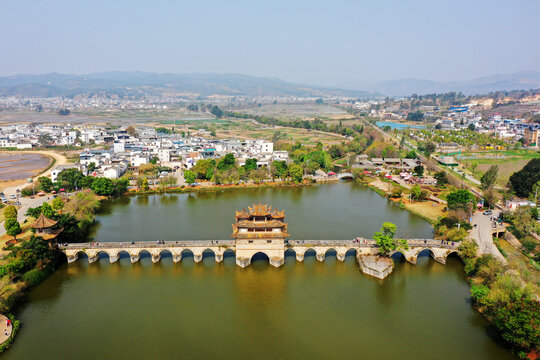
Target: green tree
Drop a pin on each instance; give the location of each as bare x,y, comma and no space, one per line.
251,164
258,175
416,192
296,173
279,169
189,176
144,184
12,226
523,180
441,177
460,199
120,186
227,162
411,155
519,323
429,149
216,111
45,140
415,116
86,182
70,178
103,186
419,170
488,179
204,169
468,249
336,151
45,184
91,167
10,212
58,204
167,181
385,238
47,210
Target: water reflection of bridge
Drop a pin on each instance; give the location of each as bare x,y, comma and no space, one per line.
360,248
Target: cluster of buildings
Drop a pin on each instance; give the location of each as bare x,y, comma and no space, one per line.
385,164
122,151
26,136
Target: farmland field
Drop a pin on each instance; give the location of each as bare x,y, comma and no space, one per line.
17,166
299,111
249,129
508,162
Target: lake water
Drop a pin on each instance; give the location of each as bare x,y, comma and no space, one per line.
399,126
309,310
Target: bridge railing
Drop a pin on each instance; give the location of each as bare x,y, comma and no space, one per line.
148,244
363,242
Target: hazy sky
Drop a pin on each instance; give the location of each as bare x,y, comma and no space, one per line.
317,42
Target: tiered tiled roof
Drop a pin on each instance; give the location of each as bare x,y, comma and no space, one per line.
260,210
43,222
260,221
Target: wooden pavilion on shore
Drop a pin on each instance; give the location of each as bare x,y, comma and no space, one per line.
44,228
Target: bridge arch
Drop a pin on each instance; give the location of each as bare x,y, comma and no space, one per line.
330,252
290,252
121,252
423,251
144,253
453,253
99,254
166,252
77,255
398,255
229,253
259,255
207,253
310,252
351,251
187,253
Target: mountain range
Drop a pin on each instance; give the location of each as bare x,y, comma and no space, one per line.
139,83
207,84
523,80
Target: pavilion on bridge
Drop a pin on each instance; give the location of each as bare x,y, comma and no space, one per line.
260,230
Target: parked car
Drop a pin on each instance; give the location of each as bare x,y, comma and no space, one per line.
488,212
12,196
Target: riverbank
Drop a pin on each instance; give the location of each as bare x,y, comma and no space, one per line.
216,187
428,210
29,260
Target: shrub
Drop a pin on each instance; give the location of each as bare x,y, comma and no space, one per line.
479,294
34,277
529,244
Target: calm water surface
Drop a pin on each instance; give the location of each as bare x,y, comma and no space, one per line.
308,310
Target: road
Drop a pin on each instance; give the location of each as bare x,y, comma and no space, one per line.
483,236
26,203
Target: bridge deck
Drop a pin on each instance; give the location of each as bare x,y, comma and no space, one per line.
361,242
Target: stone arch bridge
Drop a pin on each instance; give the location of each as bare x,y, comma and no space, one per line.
360,248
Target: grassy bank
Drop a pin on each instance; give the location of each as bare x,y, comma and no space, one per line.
214,188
